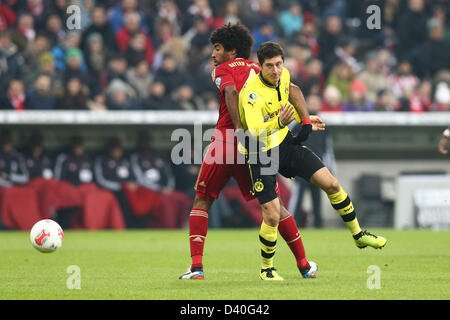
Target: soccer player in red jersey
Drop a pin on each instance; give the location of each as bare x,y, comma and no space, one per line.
232,48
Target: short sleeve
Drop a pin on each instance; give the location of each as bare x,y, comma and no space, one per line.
223,77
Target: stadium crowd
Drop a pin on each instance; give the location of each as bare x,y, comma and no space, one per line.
155,55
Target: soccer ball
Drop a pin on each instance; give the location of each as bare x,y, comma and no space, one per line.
46,236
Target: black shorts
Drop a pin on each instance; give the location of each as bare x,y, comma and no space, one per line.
287,159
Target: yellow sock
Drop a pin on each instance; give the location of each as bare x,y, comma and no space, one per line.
268,241
343,205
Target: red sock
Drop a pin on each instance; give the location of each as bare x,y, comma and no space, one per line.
290,233
198,227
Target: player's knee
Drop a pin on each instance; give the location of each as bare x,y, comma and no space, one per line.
202,203
332,186
271,214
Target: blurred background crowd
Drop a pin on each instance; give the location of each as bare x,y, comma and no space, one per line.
155,54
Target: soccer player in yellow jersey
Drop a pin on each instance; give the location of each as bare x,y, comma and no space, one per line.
265,112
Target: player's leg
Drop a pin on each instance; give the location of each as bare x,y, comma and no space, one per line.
263,187
342,203
268,238
211,180
289,231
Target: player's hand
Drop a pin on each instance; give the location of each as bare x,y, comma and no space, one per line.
286,115
307,128
317,123
442,145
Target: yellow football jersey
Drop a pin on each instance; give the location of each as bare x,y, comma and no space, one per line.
260,106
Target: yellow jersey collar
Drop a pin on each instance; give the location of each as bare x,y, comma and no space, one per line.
267,83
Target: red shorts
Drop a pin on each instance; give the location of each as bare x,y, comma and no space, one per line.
214,175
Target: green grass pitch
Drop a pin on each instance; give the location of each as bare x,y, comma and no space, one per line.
146,265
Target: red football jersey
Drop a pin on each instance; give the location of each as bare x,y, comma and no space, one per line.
232,73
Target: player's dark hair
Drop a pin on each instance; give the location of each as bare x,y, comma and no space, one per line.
234,36
269,50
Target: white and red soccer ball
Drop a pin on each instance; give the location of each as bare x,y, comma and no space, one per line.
46,236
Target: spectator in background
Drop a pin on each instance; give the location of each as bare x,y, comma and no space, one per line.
264,32
15,213
332,100
117,67
25,26
33,51
37,161
313,80
97,208
75,96
112,172
40,96
434,54
100,26
75,66
340,77
136,50
384,100
156,194
328,40
291,20
97,103
96,61
117,17
183,98
199,45
442,98
140,78
357,100
11,60
131,28
75,166
170,11
373,77
420,100
46,65
308,34
59,51
121,96
201,8
157,98
403,82
411,29
164,32
8,16
14,97
230,13
37,8
170,75
55,30
13,170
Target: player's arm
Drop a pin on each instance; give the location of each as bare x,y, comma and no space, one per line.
255,120
444,140
310,123
232,102
298,101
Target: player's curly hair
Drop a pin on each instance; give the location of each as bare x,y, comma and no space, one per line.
234,36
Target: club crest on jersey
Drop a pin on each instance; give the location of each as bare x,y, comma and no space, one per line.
218,82
259,186
252,96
